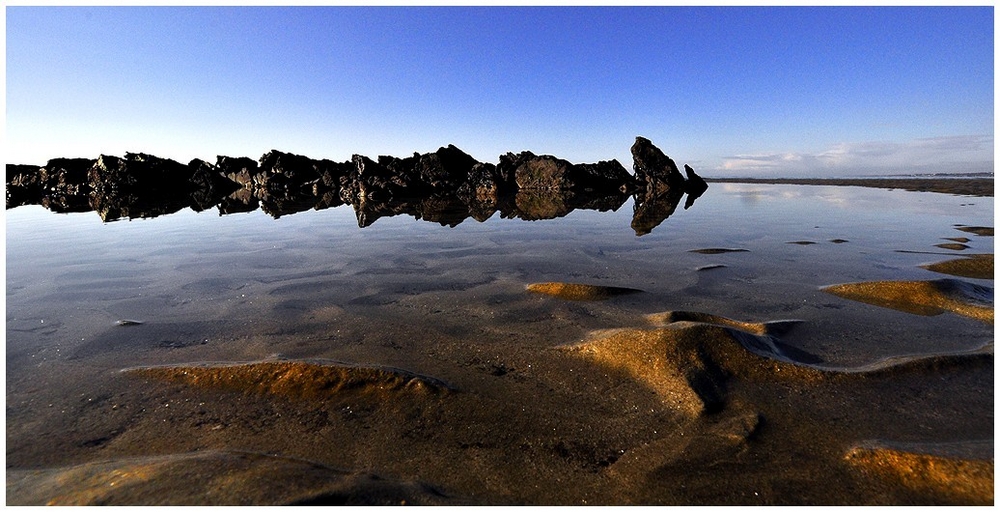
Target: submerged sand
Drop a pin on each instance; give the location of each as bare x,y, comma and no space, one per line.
923,297
407,384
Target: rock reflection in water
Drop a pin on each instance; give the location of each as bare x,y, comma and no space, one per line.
446,187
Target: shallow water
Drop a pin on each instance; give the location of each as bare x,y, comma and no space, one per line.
447,302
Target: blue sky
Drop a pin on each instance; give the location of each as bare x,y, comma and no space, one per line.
733,91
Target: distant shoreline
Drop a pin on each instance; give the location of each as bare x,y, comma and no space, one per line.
982,187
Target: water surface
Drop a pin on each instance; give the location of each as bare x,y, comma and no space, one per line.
451,303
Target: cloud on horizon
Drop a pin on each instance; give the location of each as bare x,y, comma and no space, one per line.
950,154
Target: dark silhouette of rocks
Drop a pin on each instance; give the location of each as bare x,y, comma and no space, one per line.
546,172
446,186
650,209
654,171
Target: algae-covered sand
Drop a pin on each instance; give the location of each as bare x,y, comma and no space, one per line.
504,365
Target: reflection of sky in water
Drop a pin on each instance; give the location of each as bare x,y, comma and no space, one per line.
727,213
205,276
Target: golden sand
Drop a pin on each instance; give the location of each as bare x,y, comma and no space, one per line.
922,297
773,328
575,291
294,379
976,266
686,364
957,480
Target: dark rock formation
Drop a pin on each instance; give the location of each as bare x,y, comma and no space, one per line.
24,185
208,185
240,170
446,169
651,209
653,169
546,172
138,185
446,186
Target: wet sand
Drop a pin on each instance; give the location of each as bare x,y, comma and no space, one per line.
419,381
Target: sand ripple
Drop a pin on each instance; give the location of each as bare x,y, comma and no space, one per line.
295,379
976,266
687,363
689,359
576,291
949,471
774,328
922,297
210,478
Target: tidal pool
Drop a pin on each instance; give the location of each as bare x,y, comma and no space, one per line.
526,416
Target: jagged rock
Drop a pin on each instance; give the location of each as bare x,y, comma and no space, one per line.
138,185
654,169
283,170
23,174
209,185
533,172
64,185
604,176
376,180
67,175
446,169
24,184
330,173
445,186
138,170
546,172
61,185
241,170
694,182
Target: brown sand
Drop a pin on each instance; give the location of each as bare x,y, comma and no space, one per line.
703,409
688,408
772,328
687,363
233,478
976,266
953,479
294,379
922,297
576,291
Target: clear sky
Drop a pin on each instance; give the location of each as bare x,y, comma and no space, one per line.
733,91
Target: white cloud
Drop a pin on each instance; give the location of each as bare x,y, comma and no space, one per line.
951,154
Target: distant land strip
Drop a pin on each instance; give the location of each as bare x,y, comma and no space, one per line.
982,187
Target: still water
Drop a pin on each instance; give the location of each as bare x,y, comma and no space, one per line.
414,294
70,277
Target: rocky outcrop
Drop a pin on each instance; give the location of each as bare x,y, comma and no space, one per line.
546,172
445,186
654,170
138,185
